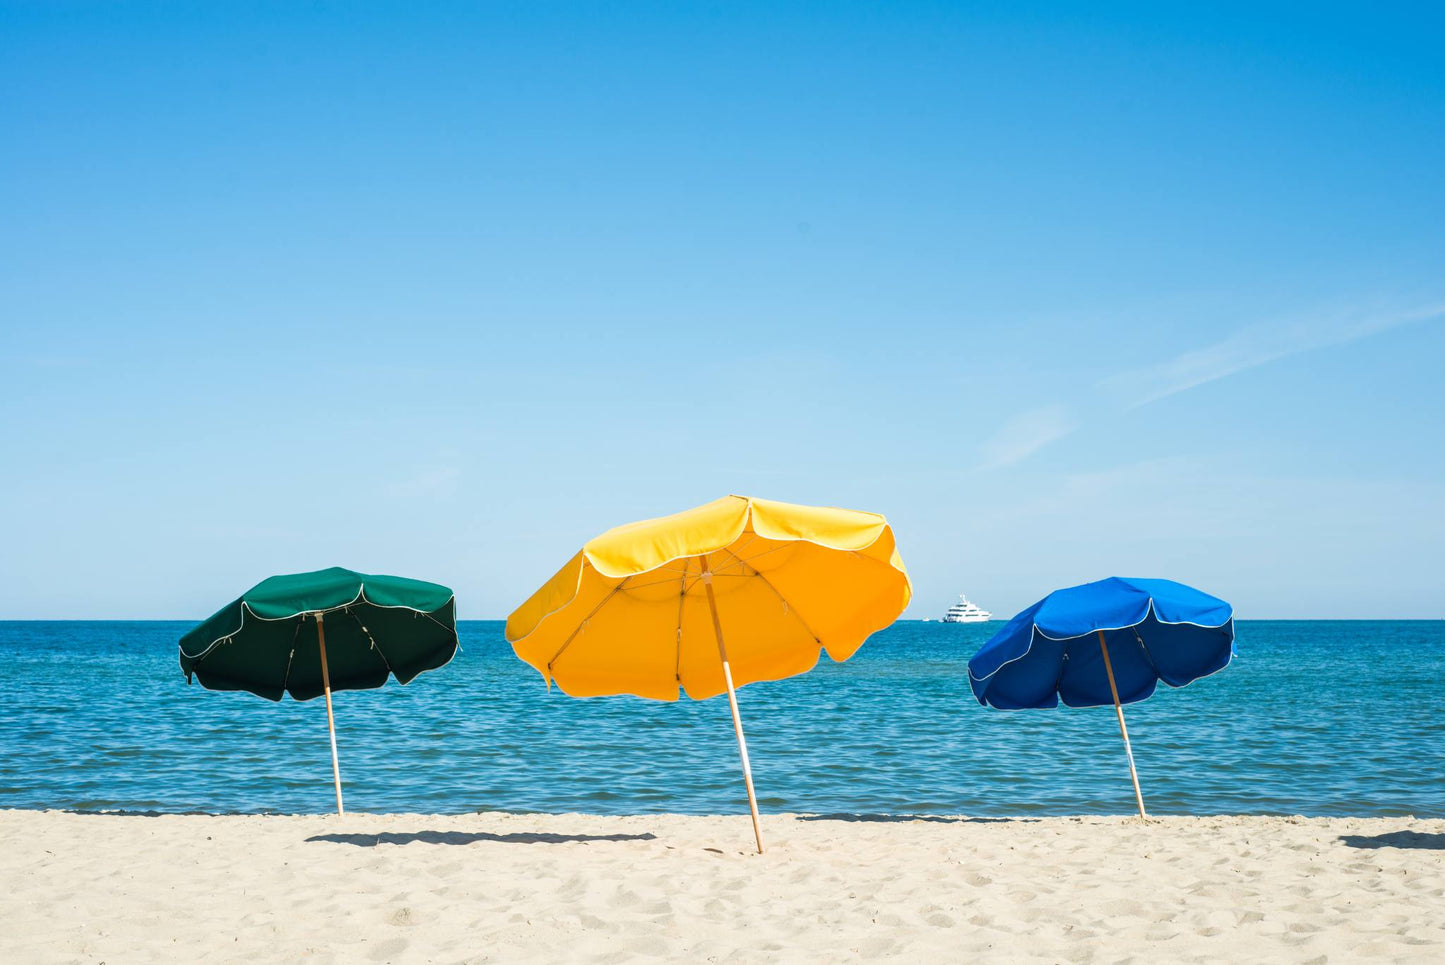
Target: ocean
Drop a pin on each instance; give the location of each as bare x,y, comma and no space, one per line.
1312,718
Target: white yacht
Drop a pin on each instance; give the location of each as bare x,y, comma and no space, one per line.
966,612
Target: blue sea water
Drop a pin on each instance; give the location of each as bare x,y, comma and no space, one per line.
1315,718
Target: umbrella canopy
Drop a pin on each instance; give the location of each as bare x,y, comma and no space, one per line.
376,626
308,634
1155,630
642,609
1106,642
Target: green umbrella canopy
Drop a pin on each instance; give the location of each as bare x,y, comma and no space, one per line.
376,626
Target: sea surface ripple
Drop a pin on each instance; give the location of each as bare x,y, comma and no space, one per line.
1313,718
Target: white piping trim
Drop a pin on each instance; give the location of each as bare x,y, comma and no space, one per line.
788,607
1034,629
1147,610
1159,680
359,598
747,517
576,588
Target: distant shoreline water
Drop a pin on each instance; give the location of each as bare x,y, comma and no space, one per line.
1314,717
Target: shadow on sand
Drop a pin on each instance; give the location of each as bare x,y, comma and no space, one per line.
905,818
124,813
470,837
1408,840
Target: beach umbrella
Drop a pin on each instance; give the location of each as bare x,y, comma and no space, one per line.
308,634
1106,642
710,599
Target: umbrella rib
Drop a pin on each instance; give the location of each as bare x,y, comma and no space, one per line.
751,539
1147,655
1063,659
430,617
583,622
738,556
769,584
643,586
873,559
656,569
286,678
682,575
681,599
767,552
374,644
723,570
740,561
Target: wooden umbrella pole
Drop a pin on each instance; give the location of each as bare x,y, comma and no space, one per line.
330,720
1124,731
732,701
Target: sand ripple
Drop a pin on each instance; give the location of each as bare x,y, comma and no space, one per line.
580,888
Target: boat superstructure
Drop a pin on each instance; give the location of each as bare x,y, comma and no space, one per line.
966,612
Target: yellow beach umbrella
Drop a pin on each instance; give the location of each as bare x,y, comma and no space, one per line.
642,609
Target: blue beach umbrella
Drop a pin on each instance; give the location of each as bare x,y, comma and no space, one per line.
1110,641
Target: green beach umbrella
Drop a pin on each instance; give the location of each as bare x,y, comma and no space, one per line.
308,634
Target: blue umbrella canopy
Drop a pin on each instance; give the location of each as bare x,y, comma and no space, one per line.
1101,643
1154,630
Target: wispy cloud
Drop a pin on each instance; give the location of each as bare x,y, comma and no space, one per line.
1248,348
1027,433
427,483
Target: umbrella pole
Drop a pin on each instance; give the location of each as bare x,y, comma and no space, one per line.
1124,731
732,702
330,721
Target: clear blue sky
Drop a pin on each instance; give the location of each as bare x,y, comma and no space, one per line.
445,289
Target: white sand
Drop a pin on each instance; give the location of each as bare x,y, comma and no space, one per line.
497,887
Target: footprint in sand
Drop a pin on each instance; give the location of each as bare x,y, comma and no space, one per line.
388,951
593,923
624,898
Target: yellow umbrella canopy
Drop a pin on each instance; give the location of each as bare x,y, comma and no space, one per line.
646,608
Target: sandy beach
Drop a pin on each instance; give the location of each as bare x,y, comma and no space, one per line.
507,887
